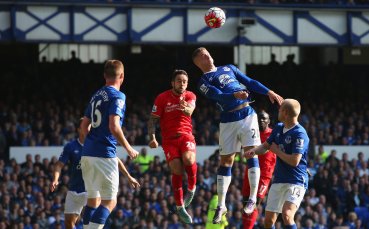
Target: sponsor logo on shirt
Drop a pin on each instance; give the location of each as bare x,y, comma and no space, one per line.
172,107
300,143
204,89
224,80
226,69
154,108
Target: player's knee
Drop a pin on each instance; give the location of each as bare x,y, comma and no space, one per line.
189,158
109,204
227,160
268,222
287,217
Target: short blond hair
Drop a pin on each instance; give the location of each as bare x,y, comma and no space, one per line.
196,52
292,107
113,68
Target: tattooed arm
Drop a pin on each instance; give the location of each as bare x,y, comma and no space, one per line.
151,130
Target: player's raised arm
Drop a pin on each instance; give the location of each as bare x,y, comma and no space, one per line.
256,86
274,97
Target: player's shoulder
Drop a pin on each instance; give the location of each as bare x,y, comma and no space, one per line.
300,130
165,94
70,145
279,125
114,93
268,130
190,94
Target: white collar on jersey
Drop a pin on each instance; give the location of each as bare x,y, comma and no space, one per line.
79,142
287,129
212,70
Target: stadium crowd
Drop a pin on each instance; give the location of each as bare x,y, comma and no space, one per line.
50,97
338,195
43,112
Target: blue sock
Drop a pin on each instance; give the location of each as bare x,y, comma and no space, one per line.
89,211
225,171
293,226
100,215
273,227
253,162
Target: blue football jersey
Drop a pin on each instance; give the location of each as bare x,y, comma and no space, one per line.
219,85
72,153
105,102
293,141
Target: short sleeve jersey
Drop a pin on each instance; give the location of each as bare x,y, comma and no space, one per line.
292,141
105,102
71,154
172,119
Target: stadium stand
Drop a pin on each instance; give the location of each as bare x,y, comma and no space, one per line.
27,202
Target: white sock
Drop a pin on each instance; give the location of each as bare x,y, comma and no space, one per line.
222,188
254,177
95,226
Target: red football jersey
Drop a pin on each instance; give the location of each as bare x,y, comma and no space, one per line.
172,119
266,161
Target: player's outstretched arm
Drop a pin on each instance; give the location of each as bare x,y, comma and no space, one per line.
56,174
151,130
116,130
261,149
274,97
291,159
132,181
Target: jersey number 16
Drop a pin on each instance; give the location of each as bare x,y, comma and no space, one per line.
95,112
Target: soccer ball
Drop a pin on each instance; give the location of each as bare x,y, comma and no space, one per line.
215,17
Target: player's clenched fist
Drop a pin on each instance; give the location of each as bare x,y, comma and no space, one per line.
249,154
132,153
153,144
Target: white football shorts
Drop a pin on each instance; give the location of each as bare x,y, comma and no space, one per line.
74,202
242,133
101,177
280,193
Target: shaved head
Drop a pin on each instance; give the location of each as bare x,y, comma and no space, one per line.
292,107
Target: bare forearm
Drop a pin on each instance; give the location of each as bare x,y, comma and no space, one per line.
118,134
57,170
123,168
151,126
262,149
188,110
291,159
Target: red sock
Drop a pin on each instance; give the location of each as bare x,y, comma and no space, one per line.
177,189
248,221
191,171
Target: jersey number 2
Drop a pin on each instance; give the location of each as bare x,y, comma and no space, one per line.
95,112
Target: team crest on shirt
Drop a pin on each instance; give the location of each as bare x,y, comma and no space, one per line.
300,143
154,108
288,139
224,80
226,69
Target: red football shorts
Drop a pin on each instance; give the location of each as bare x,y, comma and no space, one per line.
174,147
262,189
